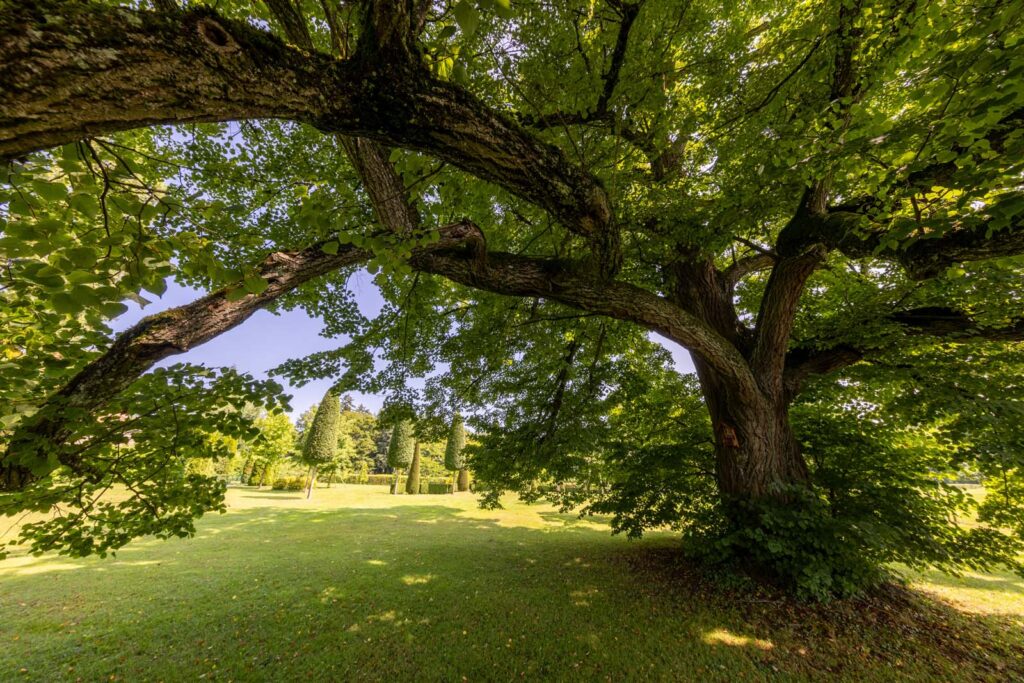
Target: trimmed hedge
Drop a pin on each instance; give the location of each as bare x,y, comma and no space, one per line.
290,484
371,479
433,486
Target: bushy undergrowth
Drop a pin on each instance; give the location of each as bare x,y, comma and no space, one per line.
876,499
290,484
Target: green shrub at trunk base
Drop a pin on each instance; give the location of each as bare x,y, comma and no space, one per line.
463,483
412,484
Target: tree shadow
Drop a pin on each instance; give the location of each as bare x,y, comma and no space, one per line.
432,591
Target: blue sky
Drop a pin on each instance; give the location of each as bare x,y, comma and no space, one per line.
266,340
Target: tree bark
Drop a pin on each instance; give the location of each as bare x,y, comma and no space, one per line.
757,456
312,482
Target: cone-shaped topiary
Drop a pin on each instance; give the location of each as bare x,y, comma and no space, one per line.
453,456
322,440
412,484
321,445
400,450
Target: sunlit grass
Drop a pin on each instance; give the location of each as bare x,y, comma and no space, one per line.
357,584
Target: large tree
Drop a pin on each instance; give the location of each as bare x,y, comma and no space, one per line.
786,190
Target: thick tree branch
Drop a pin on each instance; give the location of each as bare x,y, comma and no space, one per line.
800,257
121,69
370,159
925,257
288,15
166,5
174,332
747,265
566,283
932,321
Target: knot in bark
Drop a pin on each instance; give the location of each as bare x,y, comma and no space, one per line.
216,36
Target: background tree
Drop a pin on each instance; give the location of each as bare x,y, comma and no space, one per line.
321,442
412,483
358,430
400,449
787,191
273,442
454,457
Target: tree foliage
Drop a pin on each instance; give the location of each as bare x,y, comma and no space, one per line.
402,445
412,482
321,441
821,202
454,458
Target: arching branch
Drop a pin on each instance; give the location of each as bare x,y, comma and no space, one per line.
122,69
937,322
174,332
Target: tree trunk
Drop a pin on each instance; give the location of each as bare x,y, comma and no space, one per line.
394,486
312,481
757,457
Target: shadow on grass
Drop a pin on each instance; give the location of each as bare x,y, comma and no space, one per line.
430,592
1004,583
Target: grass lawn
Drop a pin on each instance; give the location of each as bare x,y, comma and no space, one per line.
357,584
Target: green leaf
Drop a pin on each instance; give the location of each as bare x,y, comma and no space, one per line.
330,247
82,257
255,284
113,309
64,303
467,16
51,192
86,296
236,294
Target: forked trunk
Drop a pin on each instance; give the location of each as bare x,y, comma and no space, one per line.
757,457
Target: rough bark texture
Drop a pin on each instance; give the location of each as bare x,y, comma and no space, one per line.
756,454
120,69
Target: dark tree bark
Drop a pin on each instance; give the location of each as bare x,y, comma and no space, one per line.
121,69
